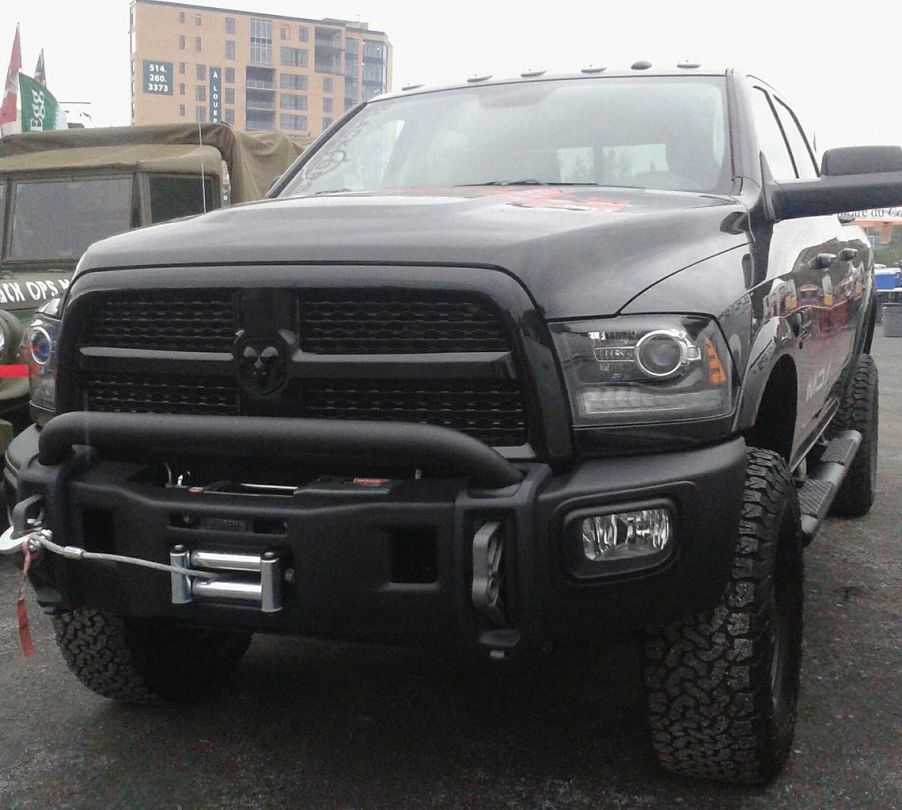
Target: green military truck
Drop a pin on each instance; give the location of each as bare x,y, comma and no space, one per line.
61,191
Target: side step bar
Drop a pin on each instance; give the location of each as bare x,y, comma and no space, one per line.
825,476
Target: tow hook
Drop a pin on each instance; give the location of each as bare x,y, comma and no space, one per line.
488,558
27,523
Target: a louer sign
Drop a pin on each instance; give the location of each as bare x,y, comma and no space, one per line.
40,110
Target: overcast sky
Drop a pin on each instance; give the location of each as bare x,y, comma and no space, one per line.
841,69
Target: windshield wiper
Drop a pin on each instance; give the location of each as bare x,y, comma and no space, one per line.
549,183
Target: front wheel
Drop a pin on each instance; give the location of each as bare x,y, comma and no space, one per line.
144,661
723,685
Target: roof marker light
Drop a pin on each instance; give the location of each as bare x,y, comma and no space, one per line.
688,64
594,69
479,77
531,73
407,87
640,65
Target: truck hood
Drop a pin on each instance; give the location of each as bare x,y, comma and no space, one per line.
579,252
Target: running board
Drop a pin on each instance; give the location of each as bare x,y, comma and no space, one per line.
825,476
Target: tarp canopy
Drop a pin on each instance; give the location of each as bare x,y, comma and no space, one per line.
254,159
138,157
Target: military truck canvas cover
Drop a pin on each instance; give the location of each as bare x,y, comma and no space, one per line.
254,159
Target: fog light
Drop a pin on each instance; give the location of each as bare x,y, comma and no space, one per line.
626,534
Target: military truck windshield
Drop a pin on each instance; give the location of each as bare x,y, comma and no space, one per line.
59,219
647,132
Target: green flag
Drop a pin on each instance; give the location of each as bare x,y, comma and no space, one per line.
40,110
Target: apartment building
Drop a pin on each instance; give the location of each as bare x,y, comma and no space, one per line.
252,71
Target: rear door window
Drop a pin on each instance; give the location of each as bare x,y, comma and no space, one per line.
174,196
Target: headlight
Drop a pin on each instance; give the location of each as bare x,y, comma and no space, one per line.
39,352
642,369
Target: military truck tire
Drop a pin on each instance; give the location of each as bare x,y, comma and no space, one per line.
859,411
143,661
722,686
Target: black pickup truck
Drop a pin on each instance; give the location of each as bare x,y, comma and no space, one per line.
498,365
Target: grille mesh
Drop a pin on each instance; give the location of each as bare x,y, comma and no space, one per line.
490,410
173,320
343,324
158,393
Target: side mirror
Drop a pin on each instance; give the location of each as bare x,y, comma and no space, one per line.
853,179
861,160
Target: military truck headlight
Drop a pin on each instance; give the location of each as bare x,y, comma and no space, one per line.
643,369
39,352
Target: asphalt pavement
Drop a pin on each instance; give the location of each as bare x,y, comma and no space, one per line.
323,725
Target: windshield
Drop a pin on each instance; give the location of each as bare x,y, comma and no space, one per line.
649,132
59,219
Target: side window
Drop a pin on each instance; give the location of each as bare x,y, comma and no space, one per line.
173,196
805,165
770,137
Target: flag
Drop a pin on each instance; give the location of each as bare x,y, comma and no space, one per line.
8,109
39,76
40,110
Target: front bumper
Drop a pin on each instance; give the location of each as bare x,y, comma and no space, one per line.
390,561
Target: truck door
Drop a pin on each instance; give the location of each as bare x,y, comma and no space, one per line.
808,256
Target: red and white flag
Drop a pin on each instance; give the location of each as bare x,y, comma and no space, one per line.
8,114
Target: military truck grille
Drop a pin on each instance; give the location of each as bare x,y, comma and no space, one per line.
487,404
174,320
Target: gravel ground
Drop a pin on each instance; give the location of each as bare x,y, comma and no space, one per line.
317,725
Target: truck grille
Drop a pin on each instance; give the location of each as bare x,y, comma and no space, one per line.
487,404
169,320
354,325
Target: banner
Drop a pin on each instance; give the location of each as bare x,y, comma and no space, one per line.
8,110
40,110
215,95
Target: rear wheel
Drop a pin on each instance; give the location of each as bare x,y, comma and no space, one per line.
859,411
143,661
723,685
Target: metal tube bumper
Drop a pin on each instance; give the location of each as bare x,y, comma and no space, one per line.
261,437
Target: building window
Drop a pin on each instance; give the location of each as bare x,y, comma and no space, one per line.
257,120
303,34
181,109
229,117
328,50
182,89
229,95
182,68
327,85
297,123
287,101
201,92
197,19
181,41
230,25
181,16
327,122
294,57
350,104
230,49
284,32
261,41
201,71
200,115
196,43
292,81
327,105
230,75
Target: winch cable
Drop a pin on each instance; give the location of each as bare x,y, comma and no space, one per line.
42,538
39,539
